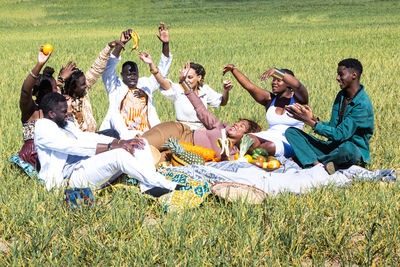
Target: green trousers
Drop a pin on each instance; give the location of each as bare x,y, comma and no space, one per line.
309,149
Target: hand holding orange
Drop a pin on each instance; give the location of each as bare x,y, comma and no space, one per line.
47,49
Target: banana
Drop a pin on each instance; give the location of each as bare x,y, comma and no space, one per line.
224,143
135,40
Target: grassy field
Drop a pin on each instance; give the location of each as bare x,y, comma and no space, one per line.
358,224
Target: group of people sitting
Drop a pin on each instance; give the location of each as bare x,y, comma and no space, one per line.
61,138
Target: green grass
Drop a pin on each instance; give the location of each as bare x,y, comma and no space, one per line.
356,224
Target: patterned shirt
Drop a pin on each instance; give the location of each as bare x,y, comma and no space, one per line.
134,111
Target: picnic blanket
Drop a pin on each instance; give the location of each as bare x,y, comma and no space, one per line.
289,178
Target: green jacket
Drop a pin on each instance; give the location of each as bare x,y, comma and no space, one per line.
357,125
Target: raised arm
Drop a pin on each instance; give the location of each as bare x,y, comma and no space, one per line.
125,37
299,90
225,96
100,63
26,103
205,116
163,36
146,58
260,95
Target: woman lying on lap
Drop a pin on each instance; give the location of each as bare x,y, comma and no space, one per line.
286,90
205,137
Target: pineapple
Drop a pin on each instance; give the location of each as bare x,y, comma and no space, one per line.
180,157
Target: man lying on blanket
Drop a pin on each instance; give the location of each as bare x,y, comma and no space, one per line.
85,159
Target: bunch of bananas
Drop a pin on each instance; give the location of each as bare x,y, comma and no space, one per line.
135,40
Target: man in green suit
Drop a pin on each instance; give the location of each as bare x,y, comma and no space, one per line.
349,130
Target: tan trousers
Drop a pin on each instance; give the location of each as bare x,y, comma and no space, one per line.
159,134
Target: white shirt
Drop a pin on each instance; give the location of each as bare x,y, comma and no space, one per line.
184,110
117,91
53,145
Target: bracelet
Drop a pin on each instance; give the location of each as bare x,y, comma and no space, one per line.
154,72
315,125
109,147
186,86
278,73
61,79
33,75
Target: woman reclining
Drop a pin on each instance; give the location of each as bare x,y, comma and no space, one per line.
205,137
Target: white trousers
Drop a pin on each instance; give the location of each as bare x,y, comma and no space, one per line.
96,170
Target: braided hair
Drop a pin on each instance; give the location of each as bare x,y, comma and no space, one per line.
43,84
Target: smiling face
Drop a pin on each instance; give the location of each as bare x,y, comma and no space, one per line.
130,75
193,79
345,77
238,129
278,86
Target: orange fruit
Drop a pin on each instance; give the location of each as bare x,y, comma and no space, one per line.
273,164
47,48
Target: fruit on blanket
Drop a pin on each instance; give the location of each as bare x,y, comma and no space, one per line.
259,164
181,157
261,151
135,39
273,164
270,158
206,153
47,48
260,159
249,158
265,165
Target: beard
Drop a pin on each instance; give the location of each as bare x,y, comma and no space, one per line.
61,123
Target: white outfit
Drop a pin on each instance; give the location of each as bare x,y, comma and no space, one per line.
117,91
184,110
277,125
54,144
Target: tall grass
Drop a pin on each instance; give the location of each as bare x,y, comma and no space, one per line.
356,224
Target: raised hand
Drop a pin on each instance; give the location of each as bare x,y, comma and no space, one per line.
115,43
126,36
163,33
68,70
184,72
266,75
42,58
146,58
227,85
227,68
